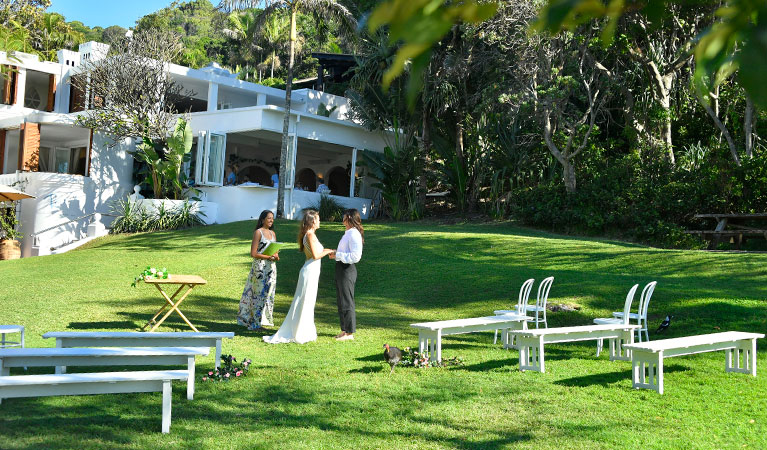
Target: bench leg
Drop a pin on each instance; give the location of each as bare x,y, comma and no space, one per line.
531,353
190,379
742,359
617,352
218,353
438,348
647,370
60,369
166,403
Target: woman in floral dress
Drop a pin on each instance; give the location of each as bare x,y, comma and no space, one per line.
257,302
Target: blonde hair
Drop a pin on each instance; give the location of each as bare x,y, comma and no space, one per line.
310,216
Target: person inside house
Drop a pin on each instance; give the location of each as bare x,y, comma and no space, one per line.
231,177
275,180
322,188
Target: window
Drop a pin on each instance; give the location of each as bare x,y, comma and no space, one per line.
209,167
63,160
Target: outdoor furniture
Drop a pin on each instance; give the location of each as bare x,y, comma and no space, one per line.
616,321
531,341
183,281
540,304
520,309
430,333
641,315
112,356
737,230
7,329
647,357
95,383
66,339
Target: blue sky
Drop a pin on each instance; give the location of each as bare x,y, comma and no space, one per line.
104,13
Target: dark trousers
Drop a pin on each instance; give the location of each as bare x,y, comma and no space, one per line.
346,277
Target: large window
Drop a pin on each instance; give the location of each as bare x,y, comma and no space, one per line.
209,167
63,160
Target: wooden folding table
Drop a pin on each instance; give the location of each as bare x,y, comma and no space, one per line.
183,281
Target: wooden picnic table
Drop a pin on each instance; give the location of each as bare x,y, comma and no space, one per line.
732,227
183,281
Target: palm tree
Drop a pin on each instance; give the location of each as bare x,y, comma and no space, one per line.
327,10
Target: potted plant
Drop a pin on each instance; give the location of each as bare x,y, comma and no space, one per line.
9,245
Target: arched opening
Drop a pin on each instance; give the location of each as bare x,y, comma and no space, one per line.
307,179
338,181
254,174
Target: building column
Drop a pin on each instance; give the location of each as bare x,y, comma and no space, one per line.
29,147
260,99
2,151
354,169
51,93
21,85
212,96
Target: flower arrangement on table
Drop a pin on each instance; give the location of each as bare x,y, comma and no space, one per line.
412,358
229,369
151,272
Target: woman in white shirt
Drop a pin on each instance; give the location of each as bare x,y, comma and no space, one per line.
348,253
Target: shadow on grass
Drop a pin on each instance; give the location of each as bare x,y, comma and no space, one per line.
608,378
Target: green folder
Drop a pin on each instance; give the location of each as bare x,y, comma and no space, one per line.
273,248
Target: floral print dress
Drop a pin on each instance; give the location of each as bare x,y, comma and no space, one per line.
257,302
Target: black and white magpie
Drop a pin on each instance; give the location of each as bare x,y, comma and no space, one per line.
664,325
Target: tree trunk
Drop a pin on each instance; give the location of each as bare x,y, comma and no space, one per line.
273,62
723,130
568,173
286,122
665,103
425,146
748,127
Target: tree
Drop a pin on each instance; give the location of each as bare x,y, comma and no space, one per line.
329,10
129,93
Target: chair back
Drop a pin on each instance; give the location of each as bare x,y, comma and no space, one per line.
524,295
644,300
543,292
627,305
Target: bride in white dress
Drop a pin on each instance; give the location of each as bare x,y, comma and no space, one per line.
299,323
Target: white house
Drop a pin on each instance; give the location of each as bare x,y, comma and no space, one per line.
74,173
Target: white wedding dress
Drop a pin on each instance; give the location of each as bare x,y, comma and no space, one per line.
299,323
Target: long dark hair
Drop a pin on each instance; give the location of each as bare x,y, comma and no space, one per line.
262,218
353,216
310,216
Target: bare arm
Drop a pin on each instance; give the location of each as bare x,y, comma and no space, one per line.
314,247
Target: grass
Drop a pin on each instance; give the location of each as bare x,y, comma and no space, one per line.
340,395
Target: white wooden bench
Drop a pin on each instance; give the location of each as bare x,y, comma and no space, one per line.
66,339
531,342
112,356
647,357
430,333
95,383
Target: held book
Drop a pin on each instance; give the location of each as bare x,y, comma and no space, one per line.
273,248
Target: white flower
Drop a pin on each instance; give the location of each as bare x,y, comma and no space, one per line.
159,274
153,270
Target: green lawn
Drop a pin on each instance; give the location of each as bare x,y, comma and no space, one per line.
328,394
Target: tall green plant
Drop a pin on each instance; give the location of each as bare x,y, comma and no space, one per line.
396,170
164,160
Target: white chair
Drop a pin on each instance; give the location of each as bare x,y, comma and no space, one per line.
641,315
6,329
524,295
540,304
614,320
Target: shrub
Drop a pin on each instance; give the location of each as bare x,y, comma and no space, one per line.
329,209
135,218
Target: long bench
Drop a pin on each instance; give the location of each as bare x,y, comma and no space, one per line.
531,342
66,339
95,383
112,356
430,333
647,357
